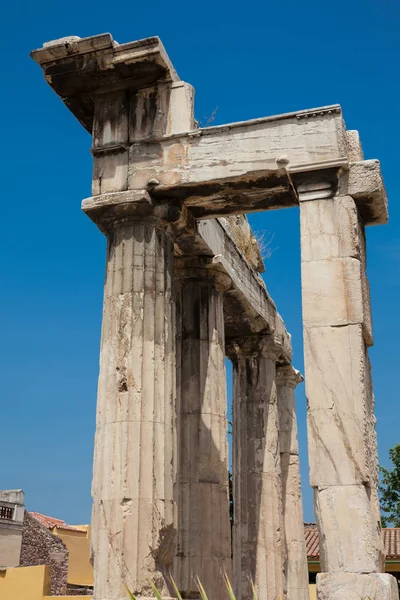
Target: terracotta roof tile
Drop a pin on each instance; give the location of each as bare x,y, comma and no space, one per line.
392,542
51,522
391,539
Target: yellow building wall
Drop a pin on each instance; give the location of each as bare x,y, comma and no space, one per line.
25,583
80,570
313,591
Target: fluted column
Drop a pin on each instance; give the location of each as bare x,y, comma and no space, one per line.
258,538
204,537
134,535
296,569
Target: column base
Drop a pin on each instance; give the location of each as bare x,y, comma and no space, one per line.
356,586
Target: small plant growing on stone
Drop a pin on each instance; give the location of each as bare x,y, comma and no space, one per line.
229,587
177,592
253,589
130,595
155,590
202,591
200,587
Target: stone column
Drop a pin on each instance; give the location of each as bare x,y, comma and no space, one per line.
296,568
258,537
341,423
204,536
134,535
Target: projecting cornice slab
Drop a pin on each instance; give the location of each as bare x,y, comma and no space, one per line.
145,137
79,68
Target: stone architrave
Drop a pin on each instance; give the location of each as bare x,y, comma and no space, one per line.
204,548
258,532
296,569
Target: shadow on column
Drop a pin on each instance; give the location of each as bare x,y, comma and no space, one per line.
204,537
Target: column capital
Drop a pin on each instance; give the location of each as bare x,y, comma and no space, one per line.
202,268
253,346
107,209
288,376
361,179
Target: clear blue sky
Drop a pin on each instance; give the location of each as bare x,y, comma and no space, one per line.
249,59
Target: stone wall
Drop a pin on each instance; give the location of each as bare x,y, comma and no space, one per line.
41,547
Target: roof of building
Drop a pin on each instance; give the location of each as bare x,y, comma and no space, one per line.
391,539
51,522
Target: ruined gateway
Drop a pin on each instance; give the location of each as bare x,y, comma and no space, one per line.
183,291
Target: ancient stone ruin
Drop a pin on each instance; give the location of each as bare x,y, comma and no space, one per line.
183,291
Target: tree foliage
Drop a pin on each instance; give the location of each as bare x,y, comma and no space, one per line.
390,490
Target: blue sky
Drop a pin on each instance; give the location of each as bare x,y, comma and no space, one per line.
248,59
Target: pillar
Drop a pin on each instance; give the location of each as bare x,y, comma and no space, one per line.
341,423
133,520
296,569
204,535
258,536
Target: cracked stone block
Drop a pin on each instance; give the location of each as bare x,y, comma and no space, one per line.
332,292
339,408
350,538
355,586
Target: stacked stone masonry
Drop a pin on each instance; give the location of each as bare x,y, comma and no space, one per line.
182,290
41,547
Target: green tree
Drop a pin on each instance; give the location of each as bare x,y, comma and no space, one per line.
390,490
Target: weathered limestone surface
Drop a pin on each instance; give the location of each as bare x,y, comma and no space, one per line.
134,514
296,569
337,328
154,175
354,149
216,171
258,533
352,536
240,231
248,307
341,424
204,532
350,586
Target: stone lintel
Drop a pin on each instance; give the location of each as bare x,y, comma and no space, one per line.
77,69
269,190
215,171
252,191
